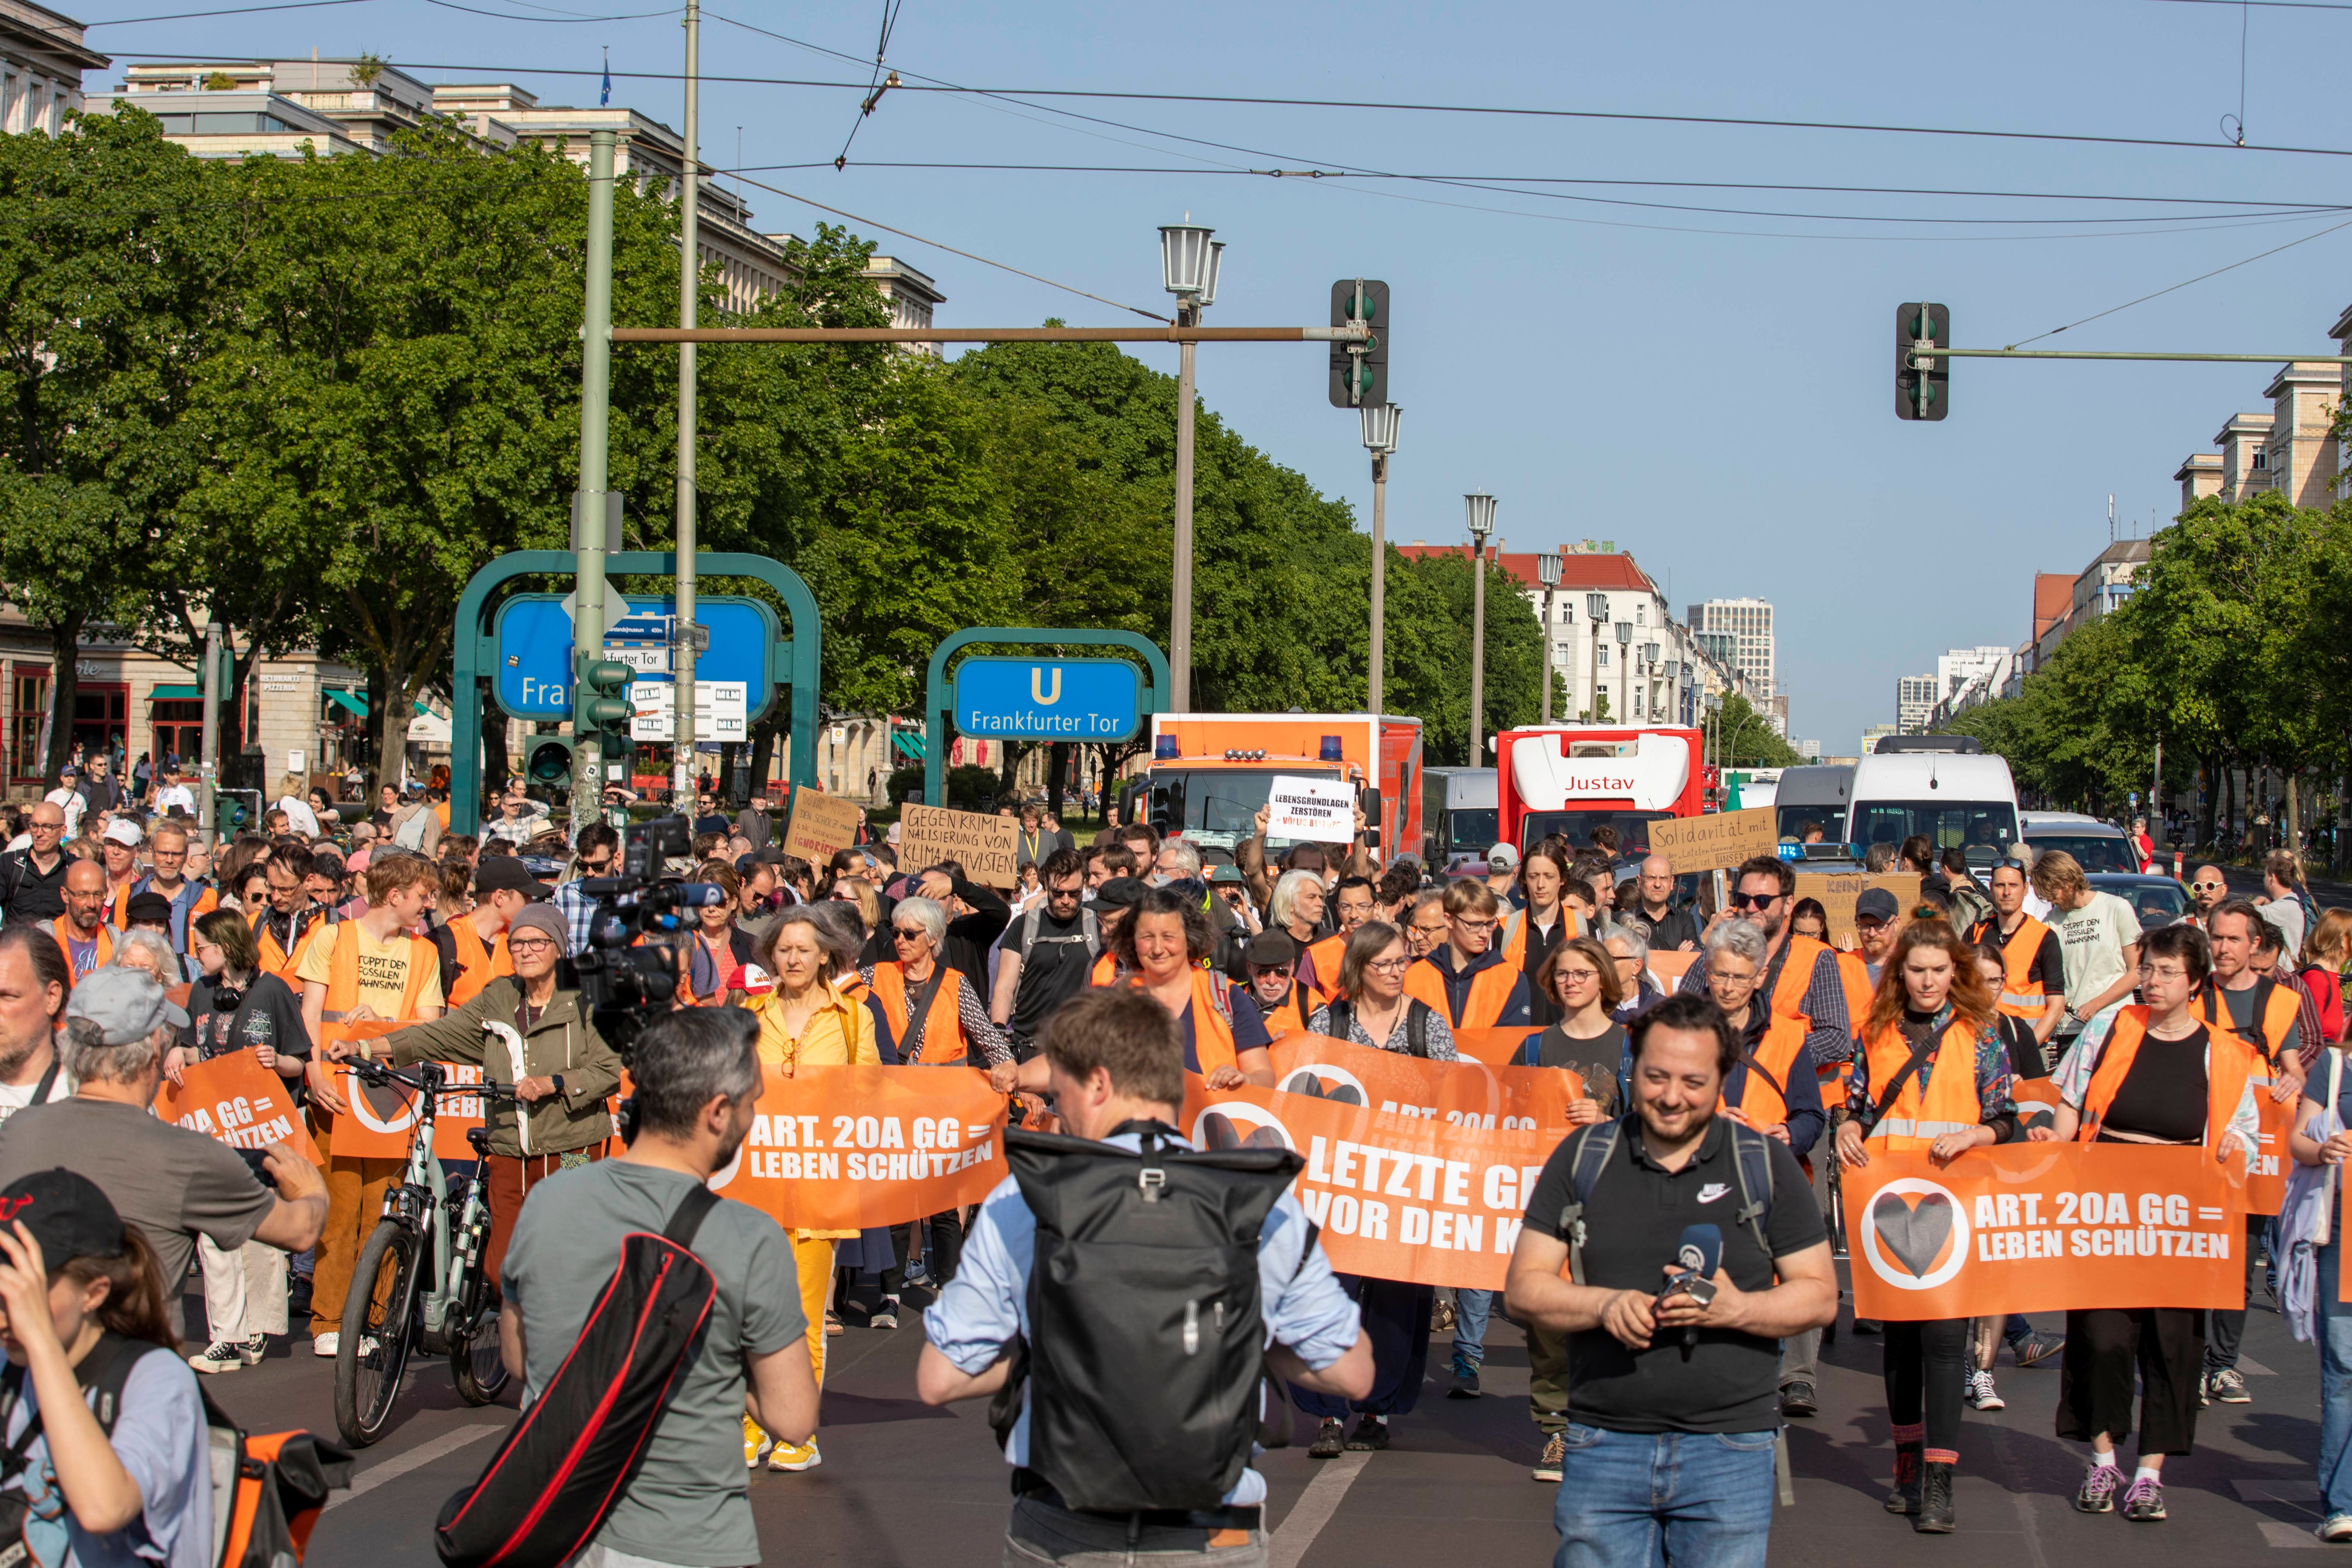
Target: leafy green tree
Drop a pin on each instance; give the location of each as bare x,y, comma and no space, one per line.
1745,741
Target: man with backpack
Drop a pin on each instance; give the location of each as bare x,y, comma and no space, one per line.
1129,1431
1655,1243
1046,954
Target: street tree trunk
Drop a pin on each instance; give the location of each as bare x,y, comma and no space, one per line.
65,652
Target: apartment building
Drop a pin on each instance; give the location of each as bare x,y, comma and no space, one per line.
42,57
1750,621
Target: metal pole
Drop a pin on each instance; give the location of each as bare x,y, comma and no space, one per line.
684,640
1547,657
2155,798
1179,607
1478,648
208,766
1592,703
1376,666
588,523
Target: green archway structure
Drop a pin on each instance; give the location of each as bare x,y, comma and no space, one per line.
475,652
938,720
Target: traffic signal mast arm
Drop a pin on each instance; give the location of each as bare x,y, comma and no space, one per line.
1353,332
1925,354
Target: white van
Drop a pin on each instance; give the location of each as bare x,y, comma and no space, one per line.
1954,798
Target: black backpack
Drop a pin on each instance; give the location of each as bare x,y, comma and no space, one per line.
564,1465
1146,1343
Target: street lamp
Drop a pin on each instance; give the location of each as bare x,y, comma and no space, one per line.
1650,670
1596,609
1379,425
1548,573
1624,670
1189,265
1479,512
1714,724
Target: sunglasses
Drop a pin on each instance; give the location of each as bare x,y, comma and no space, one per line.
2208,886
1754,901
900,935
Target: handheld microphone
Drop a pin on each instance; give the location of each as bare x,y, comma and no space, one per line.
1699,1253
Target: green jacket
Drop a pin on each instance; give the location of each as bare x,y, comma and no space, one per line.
562,1040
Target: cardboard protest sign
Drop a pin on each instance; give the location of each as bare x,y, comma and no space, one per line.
1322,811
1714,842
985,846
1838,889
1467,1093
235,1099
854,1148
822,826
1396,1195
1670,967
2044,1227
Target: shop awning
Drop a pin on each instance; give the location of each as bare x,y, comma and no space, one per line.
908,742
177,694
356,702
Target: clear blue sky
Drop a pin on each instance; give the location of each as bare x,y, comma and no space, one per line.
1714,392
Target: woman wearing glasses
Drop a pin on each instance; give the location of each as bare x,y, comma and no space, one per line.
2151,1073
935,1016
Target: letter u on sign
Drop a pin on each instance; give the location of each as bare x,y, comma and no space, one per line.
1045,699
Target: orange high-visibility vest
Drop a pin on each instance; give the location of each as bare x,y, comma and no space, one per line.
1796,977
344,974
2229,1065
943,1041
1855,976
1213,1023
278,961
1327,955
477,964
2020,997
1490,992
1289,1016
63,926
1515,933
1763,1098
1105,971
1949,1104
2280,1011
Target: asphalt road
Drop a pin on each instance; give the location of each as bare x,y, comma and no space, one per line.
905,1484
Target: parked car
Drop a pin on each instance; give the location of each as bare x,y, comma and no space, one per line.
2159,900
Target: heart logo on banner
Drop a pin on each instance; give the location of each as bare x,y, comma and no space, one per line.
1916,1234
1305,1081
1221,1135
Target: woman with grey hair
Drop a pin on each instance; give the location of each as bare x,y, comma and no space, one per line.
150,952
1628,941
933,1015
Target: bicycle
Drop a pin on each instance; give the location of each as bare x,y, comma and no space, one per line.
455,1311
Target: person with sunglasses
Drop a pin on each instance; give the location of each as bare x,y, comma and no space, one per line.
2208,891
1800,978
1046,953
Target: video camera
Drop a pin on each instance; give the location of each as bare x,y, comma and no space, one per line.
629,972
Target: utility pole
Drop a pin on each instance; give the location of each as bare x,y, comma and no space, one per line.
1180,606
1548,573
208,770
685,635
1380,430
588,504
1480,510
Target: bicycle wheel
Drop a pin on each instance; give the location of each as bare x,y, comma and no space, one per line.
475,1364
379,1320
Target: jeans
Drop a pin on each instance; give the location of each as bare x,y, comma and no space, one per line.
1040,1534
1636,1500
2334,1388
1471,1308
2229,1328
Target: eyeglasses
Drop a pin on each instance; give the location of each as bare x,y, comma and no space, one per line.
899,934
1868,922
2150,971
1390,965
530,945
1754,901
1476,925
1579,976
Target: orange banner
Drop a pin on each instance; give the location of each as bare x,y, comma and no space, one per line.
1398,1195
2266,1182
1468,1093
2039,1227
1670,967
1492,1046
236,1099
850,1148
383,1116
2037,1101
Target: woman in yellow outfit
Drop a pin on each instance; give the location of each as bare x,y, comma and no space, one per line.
806,1022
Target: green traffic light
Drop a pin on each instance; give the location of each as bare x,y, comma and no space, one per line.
609,675
551,761
599,712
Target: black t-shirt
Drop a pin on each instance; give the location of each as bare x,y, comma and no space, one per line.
1597,1060
1542,1009
2163,1093
1633,1223
269,1014
1055,968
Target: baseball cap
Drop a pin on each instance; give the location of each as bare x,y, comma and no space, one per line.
1120,893
505,874
1503,858
1875,903
148,909
68,1215
128,1004
1269,948
121,831
1225,874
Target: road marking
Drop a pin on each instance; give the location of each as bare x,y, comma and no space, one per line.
2286,1490
419,1456
1314,1508
2032,1526
2288,1537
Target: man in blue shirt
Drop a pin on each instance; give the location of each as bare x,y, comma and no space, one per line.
1114,1056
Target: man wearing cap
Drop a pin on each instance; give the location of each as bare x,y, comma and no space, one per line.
1113,902
82,930
170,1183
1503,874
68,799
1270,963
526,1033
118,848
33,880
175,795
473,947
1876,926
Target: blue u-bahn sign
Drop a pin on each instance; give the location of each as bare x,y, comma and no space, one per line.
1048,698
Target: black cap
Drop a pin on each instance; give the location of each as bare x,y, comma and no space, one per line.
1877,903
67,1214
1120,893
148,909
1270,948
505,874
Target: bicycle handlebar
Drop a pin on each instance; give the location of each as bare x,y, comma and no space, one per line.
376,1072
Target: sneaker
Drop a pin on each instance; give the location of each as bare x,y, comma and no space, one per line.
1982,1395
2144,1503
1465,1383
253,1350
2035,1349
1555,1454
2097,1492
1799,1400
918,1274
326,1344
795,1457
756,1442
219,1356
2335,1527
1370,1435
2204,1389
1330,1441
2228,1387
886,1315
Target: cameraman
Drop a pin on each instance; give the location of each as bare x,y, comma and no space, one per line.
1647,1368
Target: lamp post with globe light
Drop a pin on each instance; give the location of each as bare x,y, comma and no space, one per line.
1189,263
1548,573
1379,428
1479,509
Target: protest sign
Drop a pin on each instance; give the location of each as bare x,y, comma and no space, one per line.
985,846
2042,1228
1670,967
1396,1195
822,826
1838,889
1714,842
1494,1046
1467,1093
2266,1182
855,1148
235,1099
1320,811
384,1115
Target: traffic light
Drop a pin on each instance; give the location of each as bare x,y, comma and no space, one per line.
609,708
547,762
1922,393
1359,372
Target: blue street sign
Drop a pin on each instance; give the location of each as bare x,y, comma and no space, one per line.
534,649
1048,698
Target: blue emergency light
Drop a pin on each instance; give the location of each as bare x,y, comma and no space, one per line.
1330,749
1163,749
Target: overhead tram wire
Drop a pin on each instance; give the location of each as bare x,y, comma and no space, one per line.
2176,287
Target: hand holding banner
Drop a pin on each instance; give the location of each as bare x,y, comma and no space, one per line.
236,1099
